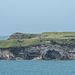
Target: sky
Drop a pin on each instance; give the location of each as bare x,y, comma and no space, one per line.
36,16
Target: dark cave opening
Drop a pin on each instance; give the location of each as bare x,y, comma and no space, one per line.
53,54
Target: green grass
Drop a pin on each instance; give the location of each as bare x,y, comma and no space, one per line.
60,35
19,43
25,40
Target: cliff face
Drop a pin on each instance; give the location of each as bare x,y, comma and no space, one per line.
49,52
45,46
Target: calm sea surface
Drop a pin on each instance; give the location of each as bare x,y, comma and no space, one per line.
37,67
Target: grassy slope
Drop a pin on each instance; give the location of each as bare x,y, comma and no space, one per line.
24,40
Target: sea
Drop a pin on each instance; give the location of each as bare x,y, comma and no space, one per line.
36,67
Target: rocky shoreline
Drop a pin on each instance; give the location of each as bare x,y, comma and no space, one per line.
44,46
49,52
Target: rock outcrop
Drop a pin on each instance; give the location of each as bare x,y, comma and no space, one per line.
45,46
50,52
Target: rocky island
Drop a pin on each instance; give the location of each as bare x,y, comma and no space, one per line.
44,46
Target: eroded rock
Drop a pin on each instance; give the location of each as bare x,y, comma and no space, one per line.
52,55
50,52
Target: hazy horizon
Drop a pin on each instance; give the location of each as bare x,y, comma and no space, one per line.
36,16
29,33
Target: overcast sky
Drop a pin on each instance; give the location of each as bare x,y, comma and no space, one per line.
36,16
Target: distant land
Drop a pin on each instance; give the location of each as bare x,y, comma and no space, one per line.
44,46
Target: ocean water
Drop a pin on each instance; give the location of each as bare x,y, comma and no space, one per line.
38,67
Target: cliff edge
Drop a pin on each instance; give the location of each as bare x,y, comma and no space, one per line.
45,46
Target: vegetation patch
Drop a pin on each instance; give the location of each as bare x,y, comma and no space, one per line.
46,38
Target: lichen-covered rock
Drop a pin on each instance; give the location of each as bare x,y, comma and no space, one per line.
6,55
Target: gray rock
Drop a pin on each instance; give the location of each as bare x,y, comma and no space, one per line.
50,52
